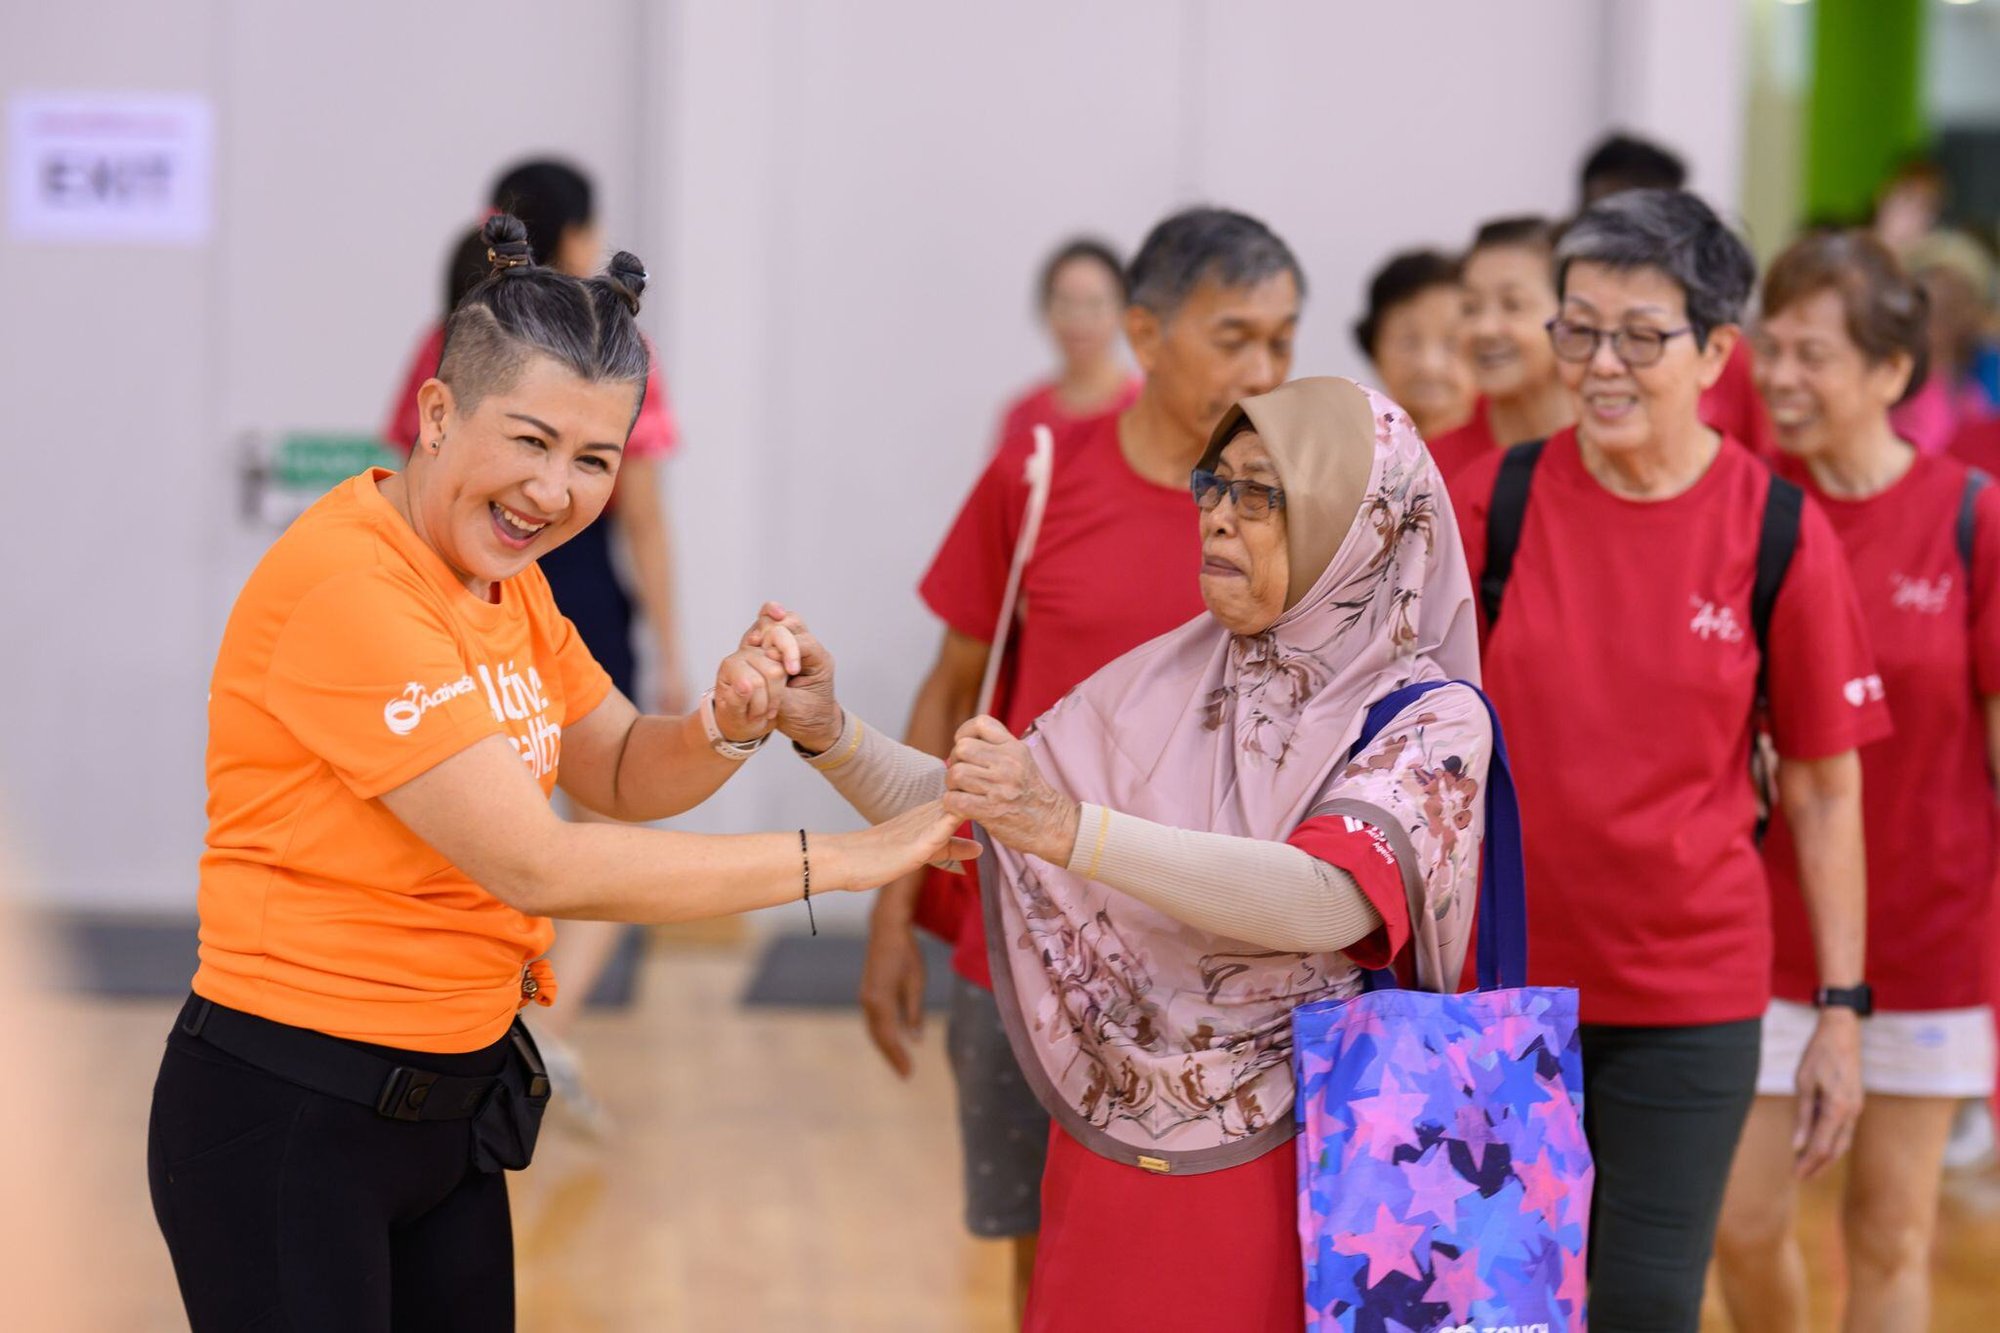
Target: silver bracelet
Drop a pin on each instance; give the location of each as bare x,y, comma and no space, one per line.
734,751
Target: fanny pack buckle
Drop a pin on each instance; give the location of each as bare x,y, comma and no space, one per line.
404,1093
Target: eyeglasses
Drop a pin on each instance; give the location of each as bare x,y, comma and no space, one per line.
1635,347
1252,499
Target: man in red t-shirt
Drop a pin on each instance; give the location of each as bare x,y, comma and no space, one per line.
1214,302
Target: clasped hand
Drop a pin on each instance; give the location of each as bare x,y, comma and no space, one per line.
780,677
992,779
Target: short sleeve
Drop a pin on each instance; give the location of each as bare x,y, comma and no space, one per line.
1983,587
967,579
585,682
368,676
1826,695
656,434
1366,854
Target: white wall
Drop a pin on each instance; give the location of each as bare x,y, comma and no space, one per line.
843,206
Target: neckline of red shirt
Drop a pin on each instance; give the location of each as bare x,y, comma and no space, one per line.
1566,451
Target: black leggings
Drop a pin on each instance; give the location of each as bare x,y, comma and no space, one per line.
286,1209
1663,1108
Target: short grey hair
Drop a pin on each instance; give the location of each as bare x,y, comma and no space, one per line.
1671,232
1235,249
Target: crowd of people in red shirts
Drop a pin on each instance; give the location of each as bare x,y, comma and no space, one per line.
1718,538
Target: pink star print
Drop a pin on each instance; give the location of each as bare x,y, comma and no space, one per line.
1457,1283
1436,1187
1389,1246
1542,1186
1387,1119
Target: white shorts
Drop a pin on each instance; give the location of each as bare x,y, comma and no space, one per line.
1927,1053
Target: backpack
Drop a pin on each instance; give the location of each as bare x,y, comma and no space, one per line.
1777,538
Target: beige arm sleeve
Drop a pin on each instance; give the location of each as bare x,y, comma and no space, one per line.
879,777
1265,893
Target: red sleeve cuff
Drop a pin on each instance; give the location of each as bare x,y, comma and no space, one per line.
1363,851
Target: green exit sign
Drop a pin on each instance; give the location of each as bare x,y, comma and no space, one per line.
318,463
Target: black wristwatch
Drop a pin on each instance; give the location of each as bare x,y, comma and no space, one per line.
1861,999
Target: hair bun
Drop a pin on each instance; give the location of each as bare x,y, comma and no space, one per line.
628,275
506,240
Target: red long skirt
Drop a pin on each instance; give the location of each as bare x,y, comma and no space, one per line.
1123,1248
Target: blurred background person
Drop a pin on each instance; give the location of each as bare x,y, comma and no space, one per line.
557,203
1625,598
1082,303
1957,276
1841,340
1412,331
1215,299
1910,205
1509,298
1619,162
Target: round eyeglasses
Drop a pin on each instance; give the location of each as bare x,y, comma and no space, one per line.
1635,347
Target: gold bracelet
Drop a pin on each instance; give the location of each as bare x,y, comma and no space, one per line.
853,748
1103,831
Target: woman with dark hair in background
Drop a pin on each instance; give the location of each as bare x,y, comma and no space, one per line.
1412,331
1082,300
1841,340
1510,296
556,203
395,699
1633,627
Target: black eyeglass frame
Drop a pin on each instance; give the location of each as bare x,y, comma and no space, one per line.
1208,490
1620,339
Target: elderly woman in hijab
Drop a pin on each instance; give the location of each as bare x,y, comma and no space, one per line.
1188,851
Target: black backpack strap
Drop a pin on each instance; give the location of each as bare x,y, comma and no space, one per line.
1968,514
1777,538
1504,518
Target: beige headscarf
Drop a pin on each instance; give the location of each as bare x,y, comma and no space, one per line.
1152,1042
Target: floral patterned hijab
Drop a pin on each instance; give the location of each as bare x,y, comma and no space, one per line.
1158,1044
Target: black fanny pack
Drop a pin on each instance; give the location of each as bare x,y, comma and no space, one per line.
505,1107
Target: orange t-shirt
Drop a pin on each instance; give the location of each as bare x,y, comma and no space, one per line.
353,661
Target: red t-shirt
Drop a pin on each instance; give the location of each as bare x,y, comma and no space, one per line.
1926,791
1978,445
1117,564
1624,670
1461,446
654,435
1041,405
1733,406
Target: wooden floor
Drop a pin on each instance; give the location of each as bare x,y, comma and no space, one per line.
768,1174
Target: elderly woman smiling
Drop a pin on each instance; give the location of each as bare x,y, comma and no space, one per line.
1626,648
1187,851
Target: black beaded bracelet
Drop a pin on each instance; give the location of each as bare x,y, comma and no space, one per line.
805,861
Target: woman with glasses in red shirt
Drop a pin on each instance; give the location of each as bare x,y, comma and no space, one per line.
1629,649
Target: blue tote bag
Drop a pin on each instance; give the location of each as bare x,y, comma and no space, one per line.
1444,1179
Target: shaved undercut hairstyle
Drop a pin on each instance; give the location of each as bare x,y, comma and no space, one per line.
522,310
1234,249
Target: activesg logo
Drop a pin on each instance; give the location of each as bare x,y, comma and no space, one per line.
403,712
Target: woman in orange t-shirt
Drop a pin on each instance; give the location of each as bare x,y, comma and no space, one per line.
395,699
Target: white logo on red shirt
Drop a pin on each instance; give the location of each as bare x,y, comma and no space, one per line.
403,712
1927,597
1862,690
1378,842
1712,621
